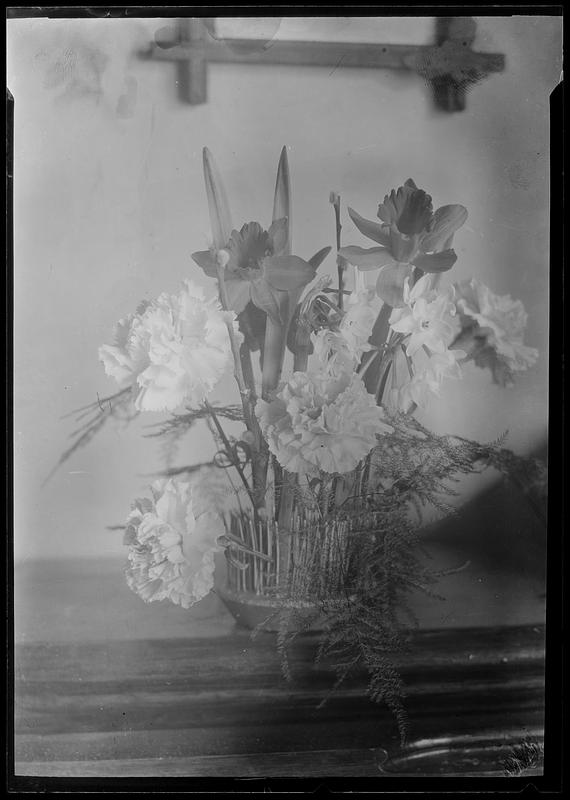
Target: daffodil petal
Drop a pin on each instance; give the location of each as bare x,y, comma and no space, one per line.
238,292
390,284
265,299
446,221
287,272
205,259
373,230
435,262
367,259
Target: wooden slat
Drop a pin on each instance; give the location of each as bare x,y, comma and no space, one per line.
320,54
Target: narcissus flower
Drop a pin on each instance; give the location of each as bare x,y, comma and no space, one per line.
410,235
321,422
256,267
173,350
428,317
171,546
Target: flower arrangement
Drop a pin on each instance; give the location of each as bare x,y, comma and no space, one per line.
318,501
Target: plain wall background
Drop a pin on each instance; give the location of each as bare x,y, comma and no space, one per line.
109,204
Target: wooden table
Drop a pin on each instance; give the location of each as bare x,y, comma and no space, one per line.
109,687
219,707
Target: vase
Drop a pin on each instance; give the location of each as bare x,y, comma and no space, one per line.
266,613
272,590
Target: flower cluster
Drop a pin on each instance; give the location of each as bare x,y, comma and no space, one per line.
328,414
173,350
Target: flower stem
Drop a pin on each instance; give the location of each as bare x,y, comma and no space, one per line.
340,261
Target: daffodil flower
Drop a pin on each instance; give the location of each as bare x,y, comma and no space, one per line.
257,266
409,236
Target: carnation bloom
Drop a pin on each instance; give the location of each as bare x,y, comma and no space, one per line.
172,350
496,322
171,546
357,324
427,317
321,422
340,350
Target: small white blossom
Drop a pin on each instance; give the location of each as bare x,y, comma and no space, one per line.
171,546
319,421
174,350
428,317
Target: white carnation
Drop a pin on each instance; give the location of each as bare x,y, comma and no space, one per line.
174,350
501,320
171,546
321,422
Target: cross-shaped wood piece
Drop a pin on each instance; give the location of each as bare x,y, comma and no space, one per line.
450,65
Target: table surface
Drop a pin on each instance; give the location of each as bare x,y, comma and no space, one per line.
108,686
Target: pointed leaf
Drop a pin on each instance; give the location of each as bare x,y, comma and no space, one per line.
287,272
282,198
435,262
220,217
278,234
367,259
390,284
316,260
264,298
446,221
205,259
238,294
374,230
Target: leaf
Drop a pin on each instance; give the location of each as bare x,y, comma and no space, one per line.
287,272
265,299
446,221
220,217
374,230
282,199
367,259
316,260
390,284
206,260
278,236
435,262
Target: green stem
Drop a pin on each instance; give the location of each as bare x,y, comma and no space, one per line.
273,355
228,447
